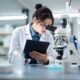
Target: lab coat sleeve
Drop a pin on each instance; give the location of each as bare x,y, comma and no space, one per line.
14,42
52,54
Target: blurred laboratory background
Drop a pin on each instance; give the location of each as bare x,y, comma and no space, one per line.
15,13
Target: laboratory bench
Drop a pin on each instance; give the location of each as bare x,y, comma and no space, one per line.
43,72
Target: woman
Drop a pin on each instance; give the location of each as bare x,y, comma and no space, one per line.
41,18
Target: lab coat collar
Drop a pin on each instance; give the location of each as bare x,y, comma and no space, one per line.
27,31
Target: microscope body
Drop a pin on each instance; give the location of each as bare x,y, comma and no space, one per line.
60,42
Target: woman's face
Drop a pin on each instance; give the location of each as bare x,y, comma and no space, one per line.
40,26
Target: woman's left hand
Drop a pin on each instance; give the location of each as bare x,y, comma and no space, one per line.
39,56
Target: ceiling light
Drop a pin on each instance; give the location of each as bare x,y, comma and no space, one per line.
13,17
59,15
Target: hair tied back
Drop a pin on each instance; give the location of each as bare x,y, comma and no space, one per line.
38,6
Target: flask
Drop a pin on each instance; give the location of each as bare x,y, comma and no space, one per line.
18,62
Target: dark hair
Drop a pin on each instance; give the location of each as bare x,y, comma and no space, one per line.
43,13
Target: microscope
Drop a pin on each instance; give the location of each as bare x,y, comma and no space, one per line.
61,39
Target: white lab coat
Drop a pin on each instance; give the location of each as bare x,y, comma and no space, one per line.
21,34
